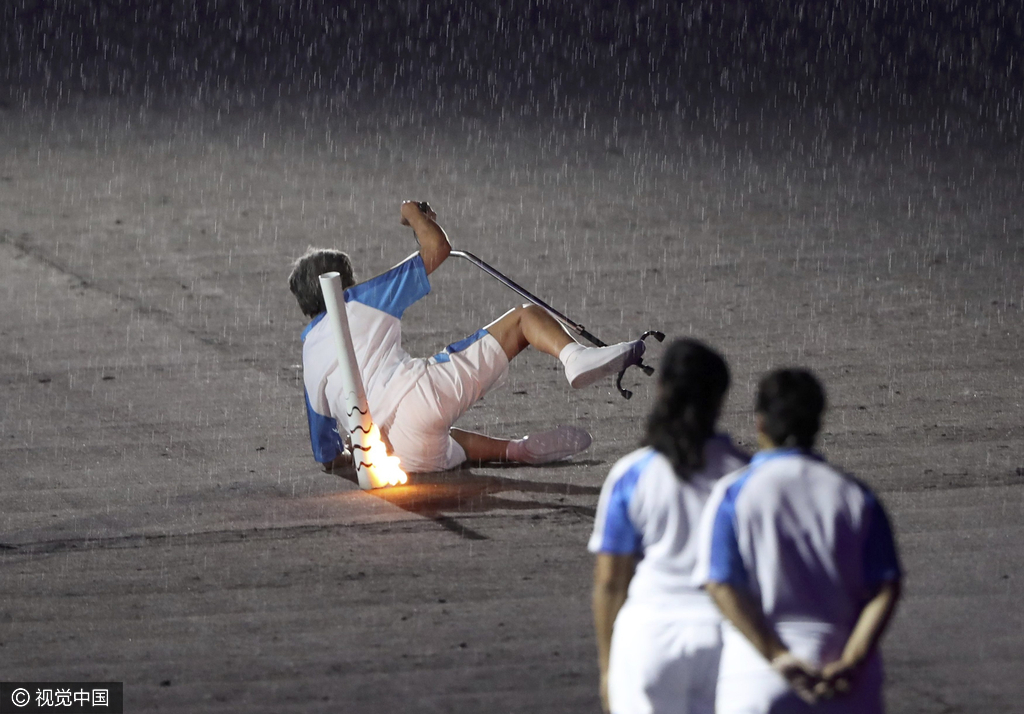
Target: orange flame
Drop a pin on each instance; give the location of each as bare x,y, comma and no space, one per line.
384,469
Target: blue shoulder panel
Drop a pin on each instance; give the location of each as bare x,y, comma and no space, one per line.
726,561
323,435
881,564
394,291
620,536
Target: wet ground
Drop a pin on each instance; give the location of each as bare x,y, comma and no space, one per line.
163,524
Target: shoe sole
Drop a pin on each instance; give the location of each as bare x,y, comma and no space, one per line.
585,379
551,446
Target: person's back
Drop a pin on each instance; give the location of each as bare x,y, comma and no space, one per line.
801,561
374,310
664,512
803,527
659,636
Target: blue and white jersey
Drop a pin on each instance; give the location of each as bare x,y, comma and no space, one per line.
374,309
811,544
646,511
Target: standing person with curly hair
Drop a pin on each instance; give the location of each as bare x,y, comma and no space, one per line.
800,558
658,635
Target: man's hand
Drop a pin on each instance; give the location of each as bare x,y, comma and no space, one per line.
412,210
802,677
839,677
741,609
434,245
836,679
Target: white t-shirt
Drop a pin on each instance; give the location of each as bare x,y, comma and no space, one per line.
374,309
646,511
809,543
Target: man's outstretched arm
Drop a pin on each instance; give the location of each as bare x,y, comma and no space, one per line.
434,245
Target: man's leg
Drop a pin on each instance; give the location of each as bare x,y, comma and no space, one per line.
529,325
479,447
545,447
533,325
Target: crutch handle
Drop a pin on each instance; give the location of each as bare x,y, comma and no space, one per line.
626,394
647,369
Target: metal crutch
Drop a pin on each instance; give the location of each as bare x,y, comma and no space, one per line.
570,324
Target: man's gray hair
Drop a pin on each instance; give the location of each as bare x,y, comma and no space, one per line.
304,281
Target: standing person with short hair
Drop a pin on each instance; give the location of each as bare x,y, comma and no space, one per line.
658,635
800,558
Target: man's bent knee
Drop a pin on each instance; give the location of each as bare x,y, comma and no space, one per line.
508,331
530,309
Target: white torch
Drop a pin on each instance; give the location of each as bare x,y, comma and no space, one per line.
374,467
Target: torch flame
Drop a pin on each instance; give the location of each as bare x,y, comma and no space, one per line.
384,469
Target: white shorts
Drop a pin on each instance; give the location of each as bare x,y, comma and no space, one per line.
663,661
748,685
453,382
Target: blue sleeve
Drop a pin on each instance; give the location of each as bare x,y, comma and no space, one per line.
881,563
619,535
726,563
394,291
323,435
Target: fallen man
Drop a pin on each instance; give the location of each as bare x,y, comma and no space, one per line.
415,401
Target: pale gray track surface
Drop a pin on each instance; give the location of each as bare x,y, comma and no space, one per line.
163,524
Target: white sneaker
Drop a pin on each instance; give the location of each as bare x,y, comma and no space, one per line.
590,364
547,446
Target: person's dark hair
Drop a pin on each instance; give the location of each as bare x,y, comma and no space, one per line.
304,281
790,402
693,380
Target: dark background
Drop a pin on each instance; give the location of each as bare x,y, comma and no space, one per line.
902,59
